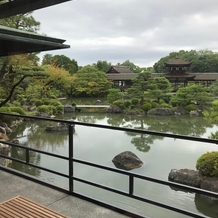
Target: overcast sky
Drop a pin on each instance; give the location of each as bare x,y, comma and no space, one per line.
141,31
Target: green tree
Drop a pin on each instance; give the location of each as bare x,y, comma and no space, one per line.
132,66
11,66
191,94
102,65
61,61
158,88
89,82
202,60
47,59
141,83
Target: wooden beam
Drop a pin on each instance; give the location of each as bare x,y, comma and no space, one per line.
15,7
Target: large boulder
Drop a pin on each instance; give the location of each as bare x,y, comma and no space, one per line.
185,177
194,178
127,161
161,112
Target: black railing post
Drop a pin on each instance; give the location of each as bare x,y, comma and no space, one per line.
27,155
131,185
71,128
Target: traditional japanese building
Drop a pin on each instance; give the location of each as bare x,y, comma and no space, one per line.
121,76
177,72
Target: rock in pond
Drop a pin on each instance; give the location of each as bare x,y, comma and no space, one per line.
127,161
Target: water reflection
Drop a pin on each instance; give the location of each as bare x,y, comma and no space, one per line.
97,145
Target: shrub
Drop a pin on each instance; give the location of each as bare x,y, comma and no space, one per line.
165,105
5,109
52,109
127,104
45,101
135,101
146,107
43,109
60,109
5,118
54,102
38,103
154,104
17,110
167,98
73,103
207,164
119,104
191,107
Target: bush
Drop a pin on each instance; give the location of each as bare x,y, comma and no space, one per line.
165,105
127,104
119,104
154,104
146,107
17,110
60,109
43,109
38,103
207,164
191,107
5,118
135,101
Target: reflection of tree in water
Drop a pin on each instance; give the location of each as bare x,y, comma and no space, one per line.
38,138
143,141
21,155
206,205
87,119
183,125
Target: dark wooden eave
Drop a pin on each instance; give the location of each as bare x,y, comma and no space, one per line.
119,70
15,7
14,41
177,62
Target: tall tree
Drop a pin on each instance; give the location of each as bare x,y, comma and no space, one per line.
140,84
102,65
10,72
132,66
158,88
61,61
89,82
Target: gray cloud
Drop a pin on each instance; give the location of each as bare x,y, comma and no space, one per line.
140,31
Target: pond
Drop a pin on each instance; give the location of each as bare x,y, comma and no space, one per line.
159,155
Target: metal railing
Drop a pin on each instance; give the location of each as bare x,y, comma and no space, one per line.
131,176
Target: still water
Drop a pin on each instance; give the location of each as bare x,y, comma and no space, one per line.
159,155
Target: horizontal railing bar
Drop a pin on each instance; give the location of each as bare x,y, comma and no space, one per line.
33,165
169,135
100,186
162,182
35,150
139,198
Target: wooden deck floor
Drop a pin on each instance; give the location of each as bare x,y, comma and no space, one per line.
20,207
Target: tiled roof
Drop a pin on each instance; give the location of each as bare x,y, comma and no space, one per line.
205,76
177,62
119,69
